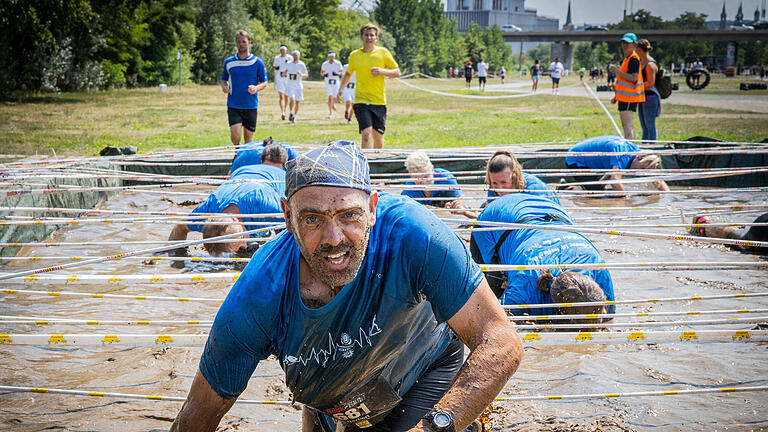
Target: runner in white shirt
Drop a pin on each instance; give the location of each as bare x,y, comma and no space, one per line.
349,95
556,71
331,72
278,65
482,74
296,72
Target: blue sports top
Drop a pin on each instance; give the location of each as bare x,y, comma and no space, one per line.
253,157
250,198
441,177
372,341
531,246
274,175
532,183
241,73
605,144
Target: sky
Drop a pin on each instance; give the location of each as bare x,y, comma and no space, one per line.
611,11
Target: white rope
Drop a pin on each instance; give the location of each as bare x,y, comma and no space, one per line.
610,117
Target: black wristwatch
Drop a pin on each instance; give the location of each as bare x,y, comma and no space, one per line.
440,421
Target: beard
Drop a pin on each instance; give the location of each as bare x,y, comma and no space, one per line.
335,278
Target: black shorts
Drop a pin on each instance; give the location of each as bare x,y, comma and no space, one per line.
758,233
481,80
587,178
368,115
468,78
420,398
245,116
627,106
555,80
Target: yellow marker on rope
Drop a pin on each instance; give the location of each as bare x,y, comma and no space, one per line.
155,397
668,393
197,278
140,297
164,339
10,291
92,323
54,293
741,334
610,395
584,336
114,279
57,339
531,337
636,336
97,295
91,393
73,278
156,279
728,390
689,335
30,278
4,338
142,322
110,339
41,322
184,299
554,397
38,390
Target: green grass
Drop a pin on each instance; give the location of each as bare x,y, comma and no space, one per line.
83,123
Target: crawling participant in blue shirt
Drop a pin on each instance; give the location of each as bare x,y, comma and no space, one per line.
503,171
533,246
251,153
611,144
270,171
425,174
235,198
359,300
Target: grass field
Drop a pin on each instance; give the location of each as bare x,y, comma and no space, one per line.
83,123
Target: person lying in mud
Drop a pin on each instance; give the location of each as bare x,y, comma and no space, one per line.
367,302
611,144
503,171
534,246
271,169
754,233
250,153
240,197
424,174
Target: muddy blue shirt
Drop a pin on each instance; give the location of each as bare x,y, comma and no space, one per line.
354,357
532,183
441,177
242,73
603,144
250,198
530,246
273,176
252,154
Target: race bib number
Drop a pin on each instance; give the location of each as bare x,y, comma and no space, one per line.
293,77
351,85
365,406
331,81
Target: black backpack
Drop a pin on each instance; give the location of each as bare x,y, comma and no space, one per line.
663,83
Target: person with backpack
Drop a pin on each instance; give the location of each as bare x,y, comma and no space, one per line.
651,108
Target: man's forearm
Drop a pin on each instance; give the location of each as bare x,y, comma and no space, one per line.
483,376
261,86
391,73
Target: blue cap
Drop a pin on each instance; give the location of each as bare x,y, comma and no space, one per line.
629,38
339,164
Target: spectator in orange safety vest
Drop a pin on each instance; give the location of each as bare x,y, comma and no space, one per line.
629,89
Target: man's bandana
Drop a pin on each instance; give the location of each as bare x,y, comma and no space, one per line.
339,164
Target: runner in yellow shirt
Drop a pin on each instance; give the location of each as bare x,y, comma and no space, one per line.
372,64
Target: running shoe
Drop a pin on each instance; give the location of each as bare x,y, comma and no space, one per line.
282,116
346,115
699,231
292,118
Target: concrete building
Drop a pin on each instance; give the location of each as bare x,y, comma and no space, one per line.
486,13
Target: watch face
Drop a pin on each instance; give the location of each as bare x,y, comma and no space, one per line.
442,419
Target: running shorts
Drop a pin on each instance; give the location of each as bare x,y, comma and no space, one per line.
245,116
332,86
628,106
280,83
371,116
349,94
295,91
555,80
481,80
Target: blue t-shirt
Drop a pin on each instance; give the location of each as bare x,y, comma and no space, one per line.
373,340
253,152
604,144
250,198
532,183
269,173
241,73
441,177
531,246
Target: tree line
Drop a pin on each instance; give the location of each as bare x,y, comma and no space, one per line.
76,45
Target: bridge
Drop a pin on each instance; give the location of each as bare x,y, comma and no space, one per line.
651,35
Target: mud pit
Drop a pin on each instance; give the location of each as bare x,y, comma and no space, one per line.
546,370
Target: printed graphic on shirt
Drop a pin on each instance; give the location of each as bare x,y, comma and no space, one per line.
343,346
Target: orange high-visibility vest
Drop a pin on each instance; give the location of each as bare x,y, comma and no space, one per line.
628,91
